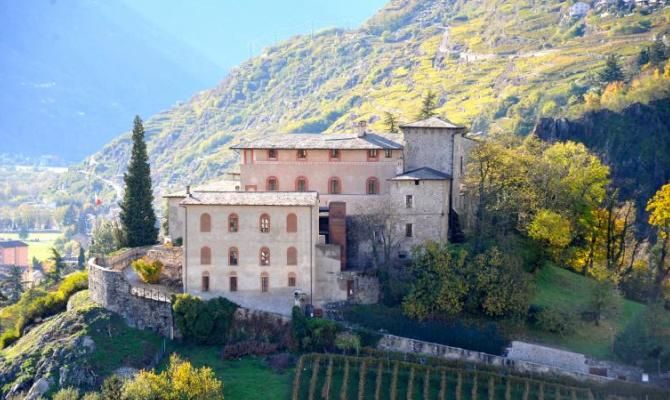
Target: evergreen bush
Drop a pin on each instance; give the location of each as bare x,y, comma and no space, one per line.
149,270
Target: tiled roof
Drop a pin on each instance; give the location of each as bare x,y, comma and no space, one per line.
226,185
433,122
424,173
252,198
325,141
12,243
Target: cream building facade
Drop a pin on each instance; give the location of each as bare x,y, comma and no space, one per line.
298,204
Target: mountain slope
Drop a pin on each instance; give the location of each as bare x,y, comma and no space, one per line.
77,72
495,65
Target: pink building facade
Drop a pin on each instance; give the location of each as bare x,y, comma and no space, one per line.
14,252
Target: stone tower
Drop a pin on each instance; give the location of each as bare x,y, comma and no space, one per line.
430,143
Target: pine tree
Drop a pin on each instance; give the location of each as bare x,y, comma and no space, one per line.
428,105
643,57
137,214
390,122
657,52
612,71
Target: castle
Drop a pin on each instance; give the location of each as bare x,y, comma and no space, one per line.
312,211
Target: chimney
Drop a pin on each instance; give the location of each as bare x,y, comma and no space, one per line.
188,191
360,128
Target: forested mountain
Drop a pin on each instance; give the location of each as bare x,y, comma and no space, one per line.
495,65
74,73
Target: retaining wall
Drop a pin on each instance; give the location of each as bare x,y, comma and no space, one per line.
140,307
413,346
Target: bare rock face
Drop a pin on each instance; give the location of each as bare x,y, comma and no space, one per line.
40,387
53,353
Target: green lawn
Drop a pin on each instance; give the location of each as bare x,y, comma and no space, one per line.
38,243
565,290
249,378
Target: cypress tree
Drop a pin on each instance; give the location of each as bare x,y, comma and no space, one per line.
137,214
612,71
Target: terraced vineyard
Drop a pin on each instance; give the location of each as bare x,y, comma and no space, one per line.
321,376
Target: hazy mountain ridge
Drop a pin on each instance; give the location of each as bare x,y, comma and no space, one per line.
495,68
73,71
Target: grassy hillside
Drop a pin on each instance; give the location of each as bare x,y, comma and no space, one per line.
495,65
563,290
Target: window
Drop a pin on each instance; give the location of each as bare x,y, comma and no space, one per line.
291,223
388,153
291,279
335,154
233,256
301,184
334,186
409,201
205,281
302,154
205,255
272,154
408,230
462,170
232,283
402,255
372,154
264,223
264,256
291,256
272,184
233,223
250,188
205,223
416,182
265,282
372,186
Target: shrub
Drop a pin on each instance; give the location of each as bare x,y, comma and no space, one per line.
8,337
249,348
347,341
180,381
67,394
206,322
149,270
38,304
112,388
312,334
555,321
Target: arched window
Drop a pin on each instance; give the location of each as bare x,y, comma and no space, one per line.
233,256
265,282
291,223
233,223
205,223
264,223
205,255
301,184
205,281
272,184
334,185
291,256
292,279
264,256
372,186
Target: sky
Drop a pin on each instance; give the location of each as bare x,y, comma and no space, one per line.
78,71
228,32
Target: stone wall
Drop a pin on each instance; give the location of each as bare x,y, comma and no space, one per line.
140,307
172,259
406,345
